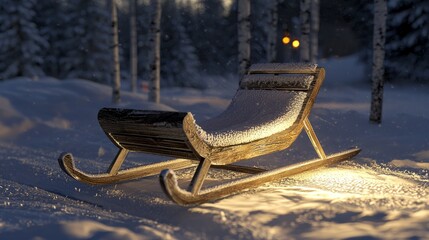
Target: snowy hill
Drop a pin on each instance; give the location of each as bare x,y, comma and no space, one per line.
382,193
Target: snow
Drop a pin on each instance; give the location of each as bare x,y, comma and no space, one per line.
252,115
382,193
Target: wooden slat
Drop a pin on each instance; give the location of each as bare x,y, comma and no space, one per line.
141,122
283,68
292,82
162,142
141,116
156,132
161,132
161,151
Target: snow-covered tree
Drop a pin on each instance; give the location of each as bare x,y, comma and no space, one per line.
88,52
21,44
207,22
380,15
272,31
155,54
244,36
116,83
143,45
304,18
314,33
407,42
260,27
133,44
51,19
181,67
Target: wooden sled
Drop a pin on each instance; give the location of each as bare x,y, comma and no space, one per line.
267,114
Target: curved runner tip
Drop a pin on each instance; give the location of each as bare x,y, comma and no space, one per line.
66,163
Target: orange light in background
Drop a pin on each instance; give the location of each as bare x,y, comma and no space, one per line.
286,40
295,43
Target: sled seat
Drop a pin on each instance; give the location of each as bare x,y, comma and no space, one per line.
266,114
156,132
273,99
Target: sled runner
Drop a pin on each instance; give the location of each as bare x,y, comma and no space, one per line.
268,112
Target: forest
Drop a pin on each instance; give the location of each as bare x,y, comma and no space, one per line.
73,39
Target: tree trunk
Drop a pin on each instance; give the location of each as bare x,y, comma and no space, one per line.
304,17
133,46
314,35
155,42
380,15
116,97
243,36
272,31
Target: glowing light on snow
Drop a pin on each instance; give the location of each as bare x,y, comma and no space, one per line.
286,40
295,43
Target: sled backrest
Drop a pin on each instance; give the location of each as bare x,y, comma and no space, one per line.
266,114
155,132
280,76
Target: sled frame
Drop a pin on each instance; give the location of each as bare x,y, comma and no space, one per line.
213,156
174,134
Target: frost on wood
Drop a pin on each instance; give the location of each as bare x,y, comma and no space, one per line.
252,115
282,81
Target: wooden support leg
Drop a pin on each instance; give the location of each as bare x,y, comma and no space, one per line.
117,162
200,176
313,138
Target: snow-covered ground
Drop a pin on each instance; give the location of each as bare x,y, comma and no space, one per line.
382,193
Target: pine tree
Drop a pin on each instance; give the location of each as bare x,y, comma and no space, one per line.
88,54
407,41
207,21
181,65
21,44
51,20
